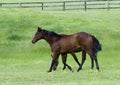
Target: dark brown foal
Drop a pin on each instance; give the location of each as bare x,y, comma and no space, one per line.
63,44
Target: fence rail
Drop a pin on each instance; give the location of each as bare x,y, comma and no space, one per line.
65,5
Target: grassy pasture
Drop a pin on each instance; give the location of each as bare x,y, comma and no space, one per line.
22,63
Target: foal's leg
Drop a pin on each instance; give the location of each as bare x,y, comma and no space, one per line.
75,58
94,58
55,64
92,63
64,58
55,58
83,58
96,61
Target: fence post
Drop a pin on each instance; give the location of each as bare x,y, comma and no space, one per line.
42,6
63,6
0,4
85,3
108,3
20,5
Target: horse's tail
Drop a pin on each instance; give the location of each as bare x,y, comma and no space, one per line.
96,45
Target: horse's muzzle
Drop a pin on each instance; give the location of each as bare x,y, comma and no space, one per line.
33,42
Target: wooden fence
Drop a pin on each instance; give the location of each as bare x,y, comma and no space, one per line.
65,5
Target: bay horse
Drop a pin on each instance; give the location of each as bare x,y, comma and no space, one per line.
63,44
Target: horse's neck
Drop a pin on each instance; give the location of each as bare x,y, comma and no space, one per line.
50,40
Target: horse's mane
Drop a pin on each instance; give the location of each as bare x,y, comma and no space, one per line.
51,33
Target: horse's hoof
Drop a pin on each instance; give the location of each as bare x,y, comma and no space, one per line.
63,68
49,71
98,70
79,69
92,68
54,69
71,70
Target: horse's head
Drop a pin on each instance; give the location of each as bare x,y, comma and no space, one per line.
38,35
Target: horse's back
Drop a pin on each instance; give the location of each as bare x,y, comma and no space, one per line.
76,39
73,43
84,37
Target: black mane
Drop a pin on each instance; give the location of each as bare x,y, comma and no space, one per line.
51,33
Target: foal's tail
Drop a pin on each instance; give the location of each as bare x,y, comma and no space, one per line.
96,45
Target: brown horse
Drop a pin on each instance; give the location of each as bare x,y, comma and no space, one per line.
63,44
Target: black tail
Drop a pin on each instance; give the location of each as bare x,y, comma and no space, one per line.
96,45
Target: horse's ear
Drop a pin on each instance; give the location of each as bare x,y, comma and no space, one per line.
39,29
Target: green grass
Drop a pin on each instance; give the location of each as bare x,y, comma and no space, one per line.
22,63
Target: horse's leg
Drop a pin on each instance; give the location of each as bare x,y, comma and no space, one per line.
83,58
92,63
96,61
55,58
55,64
64,58
94,58
75,58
